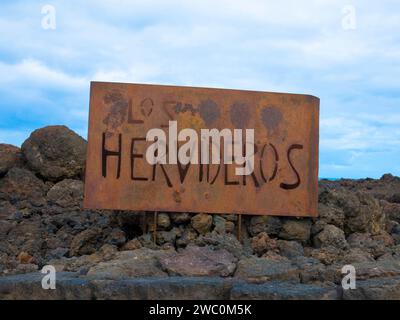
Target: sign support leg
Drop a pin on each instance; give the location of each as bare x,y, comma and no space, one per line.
155,227
239,229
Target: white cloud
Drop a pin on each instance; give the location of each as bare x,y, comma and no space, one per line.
357,134
135,73
32,73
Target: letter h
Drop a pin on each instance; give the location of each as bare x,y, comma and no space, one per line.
106,153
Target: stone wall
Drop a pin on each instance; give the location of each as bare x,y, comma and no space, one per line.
42,222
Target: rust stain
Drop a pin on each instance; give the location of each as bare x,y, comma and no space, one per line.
271,117
117,109
209,111
286,128
177,196
240,115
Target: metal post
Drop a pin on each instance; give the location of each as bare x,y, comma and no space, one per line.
155,227
143,222
239,230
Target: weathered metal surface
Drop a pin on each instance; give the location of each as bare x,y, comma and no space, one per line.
286,129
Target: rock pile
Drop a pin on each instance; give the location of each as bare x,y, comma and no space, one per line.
42,222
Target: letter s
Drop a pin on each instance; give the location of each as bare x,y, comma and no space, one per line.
287,186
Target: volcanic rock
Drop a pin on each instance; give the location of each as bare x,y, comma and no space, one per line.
271,225
21,184
262,269
142,262
66,193
330,236
10,156
202,223
55,152
296,229
199,261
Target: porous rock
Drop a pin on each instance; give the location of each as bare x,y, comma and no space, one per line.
202,223
55,152
296,229
10,156
199,261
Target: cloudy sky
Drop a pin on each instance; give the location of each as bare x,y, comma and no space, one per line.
345,52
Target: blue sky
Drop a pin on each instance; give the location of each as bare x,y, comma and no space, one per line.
345,52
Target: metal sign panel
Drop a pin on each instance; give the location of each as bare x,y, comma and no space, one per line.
286,133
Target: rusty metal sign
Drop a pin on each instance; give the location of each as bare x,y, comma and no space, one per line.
283,179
